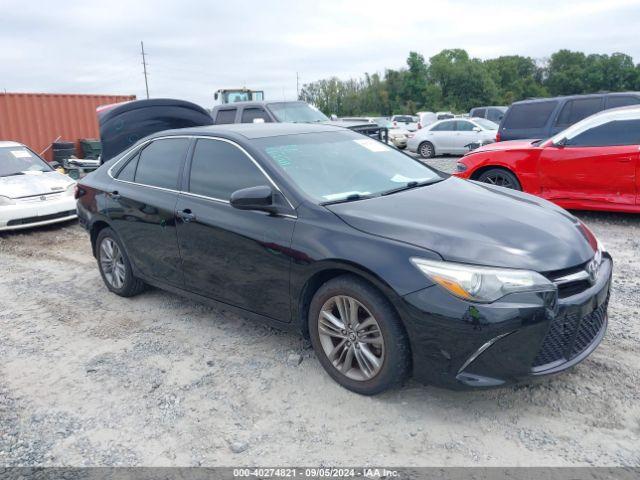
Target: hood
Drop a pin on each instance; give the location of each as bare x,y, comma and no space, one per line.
27,185
474,223
508,145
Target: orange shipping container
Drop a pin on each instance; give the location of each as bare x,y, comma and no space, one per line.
37,119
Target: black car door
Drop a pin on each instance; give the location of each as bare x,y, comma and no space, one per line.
142,207
235,256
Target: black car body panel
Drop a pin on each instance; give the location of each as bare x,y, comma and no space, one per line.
264,266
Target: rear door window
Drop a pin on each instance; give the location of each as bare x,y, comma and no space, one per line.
529,115
495,115
622,101
128,172
219,168
226,116
445,127
160,163
250,114
575,110
463,126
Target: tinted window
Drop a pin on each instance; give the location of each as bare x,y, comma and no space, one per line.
622,101
218,169
444,127
160,163
403,118
576,110
494,114
226,116
463,126
529,115
478,112
249,114
128,172
618,132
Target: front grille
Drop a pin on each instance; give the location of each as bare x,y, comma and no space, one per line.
570,335
42,218
570,288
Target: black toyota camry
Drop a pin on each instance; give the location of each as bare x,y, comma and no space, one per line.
390,268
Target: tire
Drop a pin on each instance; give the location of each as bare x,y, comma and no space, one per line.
119,280
500,177
426,150
393,354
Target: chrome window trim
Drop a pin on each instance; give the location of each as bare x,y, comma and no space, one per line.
137,148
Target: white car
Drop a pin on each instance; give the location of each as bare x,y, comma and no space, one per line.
31,192
452,136
408,122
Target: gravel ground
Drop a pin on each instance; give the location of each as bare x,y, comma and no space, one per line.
89,378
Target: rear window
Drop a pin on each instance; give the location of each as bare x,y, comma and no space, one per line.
226,116
622,101
529,115
403,118
575,110
160,163
478,112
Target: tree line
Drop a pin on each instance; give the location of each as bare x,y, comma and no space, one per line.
451,80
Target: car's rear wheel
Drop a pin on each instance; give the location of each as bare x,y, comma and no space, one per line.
426,150
358,336
501,178
115,267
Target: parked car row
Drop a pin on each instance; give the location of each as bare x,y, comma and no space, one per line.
452,137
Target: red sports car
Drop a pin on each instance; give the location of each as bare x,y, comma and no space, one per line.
592,165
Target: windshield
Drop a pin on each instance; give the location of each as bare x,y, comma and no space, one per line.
337,166
19,161
296,112
486,124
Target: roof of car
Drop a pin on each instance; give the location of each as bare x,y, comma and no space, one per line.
253,103
254,130
586,95
10,144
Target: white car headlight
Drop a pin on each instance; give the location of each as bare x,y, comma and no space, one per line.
481,284
6,201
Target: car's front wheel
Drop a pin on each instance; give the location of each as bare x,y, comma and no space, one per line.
358,337
500,177
115,267
427,150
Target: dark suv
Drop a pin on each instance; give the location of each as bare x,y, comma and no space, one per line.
542,118
495,113
283,111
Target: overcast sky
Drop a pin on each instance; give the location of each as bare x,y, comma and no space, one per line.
196,47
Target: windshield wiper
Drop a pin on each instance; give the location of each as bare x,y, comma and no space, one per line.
349,198
410,185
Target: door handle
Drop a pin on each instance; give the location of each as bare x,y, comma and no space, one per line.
186,215
114,195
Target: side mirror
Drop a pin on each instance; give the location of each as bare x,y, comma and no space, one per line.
254,198
477,129
561,143
215,96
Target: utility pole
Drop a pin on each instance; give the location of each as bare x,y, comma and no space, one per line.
297,86
144,66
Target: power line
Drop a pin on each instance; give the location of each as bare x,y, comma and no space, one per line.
144,66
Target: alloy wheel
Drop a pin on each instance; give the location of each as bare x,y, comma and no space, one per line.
499,180
426,150
112,263
351,338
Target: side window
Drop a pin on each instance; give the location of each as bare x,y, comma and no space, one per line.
219,168
529,115
494,115
160,163
445,127
128,172
249,114
479,112
575,110
463,126
617,132
621,101
226,116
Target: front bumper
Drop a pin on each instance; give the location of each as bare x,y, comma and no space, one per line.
461,345
26,215
400,142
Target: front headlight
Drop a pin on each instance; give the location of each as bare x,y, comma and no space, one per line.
481,284
6,201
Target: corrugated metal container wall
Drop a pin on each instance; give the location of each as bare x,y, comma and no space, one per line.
37,119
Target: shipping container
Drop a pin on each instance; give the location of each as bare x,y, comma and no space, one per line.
38,119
